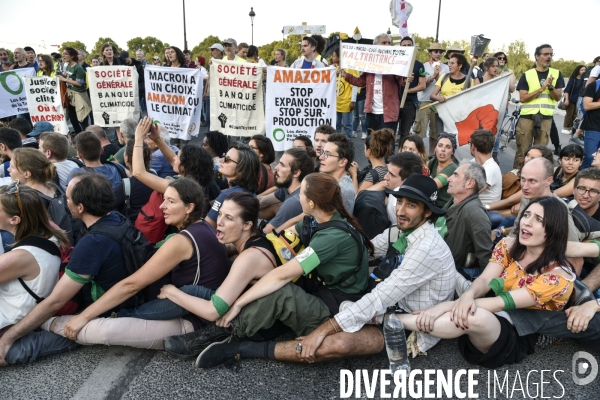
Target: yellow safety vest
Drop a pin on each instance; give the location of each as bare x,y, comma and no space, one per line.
544,103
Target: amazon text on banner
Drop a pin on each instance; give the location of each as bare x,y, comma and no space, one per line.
13,100
114,94
385,60
44,102
236,92
174,99
298,101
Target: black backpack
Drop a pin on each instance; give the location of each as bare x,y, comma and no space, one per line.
370,210
385,265
59,213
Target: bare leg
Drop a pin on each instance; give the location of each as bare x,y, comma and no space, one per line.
369,340
483,331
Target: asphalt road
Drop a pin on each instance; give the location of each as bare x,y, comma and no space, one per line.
99,372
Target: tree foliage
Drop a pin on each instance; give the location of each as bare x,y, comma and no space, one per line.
150,45
74,44
292,44
97,50
203,48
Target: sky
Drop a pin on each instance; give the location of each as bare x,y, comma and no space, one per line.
533,21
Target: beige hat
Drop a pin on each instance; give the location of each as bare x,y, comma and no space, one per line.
456,48
435,46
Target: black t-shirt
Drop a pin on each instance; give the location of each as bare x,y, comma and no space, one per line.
559,82
418,70
138,197
591,121
109,150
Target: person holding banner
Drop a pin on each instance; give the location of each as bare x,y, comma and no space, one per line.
449,84
280,55
108,55
79,101
175,57
382,104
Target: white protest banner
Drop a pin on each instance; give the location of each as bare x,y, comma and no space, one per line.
174,99
44,102
13,100
385,60
236,94
475,108
114,94
298,101
304,29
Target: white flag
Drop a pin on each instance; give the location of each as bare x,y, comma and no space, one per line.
13,100
475,108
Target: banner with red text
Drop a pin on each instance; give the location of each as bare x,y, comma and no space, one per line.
114,94
13,100
44,102
475,108
298,101
236,98
174,99
385,60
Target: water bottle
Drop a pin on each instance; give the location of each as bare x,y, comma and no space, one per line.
395,342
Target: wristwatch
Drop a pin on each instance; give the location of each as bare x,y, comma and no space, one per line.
550,87
487,207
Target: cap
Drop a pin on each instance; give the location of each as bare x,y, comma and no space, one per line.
230,41
157,58
40,128
217,46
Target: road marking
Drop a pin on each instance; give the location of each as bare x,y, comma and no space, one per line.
112,375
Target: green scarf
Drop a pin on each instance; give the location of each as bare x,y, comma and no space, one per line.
402,243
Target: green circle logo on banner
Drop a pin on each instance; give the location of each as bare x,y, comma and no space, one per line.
275,132
3,78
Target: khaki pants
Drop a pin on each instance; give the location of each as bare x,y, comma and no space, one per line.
524,137
132,332
424,118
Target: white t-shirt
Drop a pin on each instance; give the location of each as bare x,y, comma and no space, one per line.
493,177
377,105
429,70
595,72
391,207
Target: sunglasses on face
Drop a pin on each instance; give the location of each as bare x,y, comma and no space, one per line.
226,159
437,51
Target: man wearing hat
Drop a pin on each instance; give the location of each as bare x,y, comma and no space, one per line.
156,61
230,48
425,278
426,117
456,48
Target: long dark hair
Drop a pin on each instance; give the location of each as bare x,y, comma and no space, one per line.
249,205
265,148
554,222
325,192
26,204
247,169
179,53
49,65
197,164
190,192
576,72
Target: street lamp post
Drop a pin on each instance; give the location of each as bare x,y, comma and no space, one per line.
184,33
252,14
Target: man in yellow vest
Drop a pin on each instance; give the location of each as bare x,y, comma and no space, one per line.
539,89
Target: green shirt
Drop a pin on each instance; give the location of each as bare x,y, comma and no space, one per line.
333,253
76,73
443,195
120,155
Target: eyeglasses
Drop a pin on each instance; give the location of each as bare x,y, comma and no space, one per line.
592,192
437,51
226,159
547,54
327,154
14,189
501,58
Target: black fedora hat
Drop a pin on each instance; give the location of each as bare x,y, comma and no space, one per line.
419,187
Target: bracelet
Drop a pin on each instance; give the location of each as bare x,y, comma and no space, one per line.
597,243
138,145
499,232
331,322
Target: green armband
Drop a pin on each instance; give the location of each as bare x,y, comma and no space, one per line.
442,179
497,285
509,303
96,290
220,305
597,243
